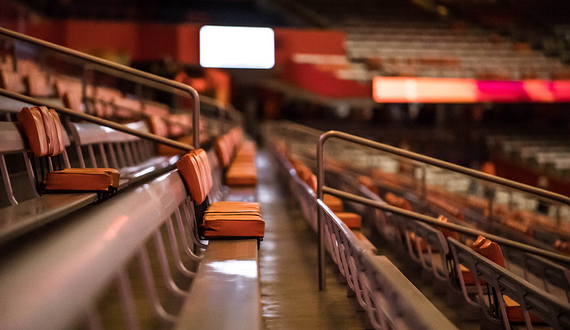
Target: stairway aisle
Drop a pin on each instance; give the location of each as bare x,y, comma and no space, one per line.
288,265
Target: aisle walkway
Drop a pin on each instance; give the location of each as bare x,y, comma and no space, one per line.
288,265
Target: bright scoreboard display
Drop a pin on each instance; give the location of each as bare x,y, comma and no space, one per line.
237,47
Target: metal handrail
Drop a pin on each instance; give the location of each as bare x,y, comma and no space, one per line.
121,68
99,121
441,164
417,157
223,108
448,225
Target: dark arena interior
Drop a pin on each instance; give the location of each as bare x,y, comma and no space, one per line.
287,164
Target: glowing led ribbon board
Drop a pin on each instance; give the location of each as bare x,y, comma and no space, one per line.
451,90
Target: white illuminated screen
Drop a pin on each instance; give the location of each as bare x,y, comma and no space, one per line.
237,47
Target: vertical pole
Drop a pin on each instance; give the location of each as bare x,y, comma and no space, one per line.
491,197
320,182
14,57
195,117
222,113
424,183
84,77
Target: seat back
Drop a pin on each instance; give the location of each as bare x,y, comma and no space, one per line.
115,149
12,141
545,306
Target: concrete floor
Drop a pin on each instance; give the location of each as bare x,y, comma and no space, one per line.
290,295
289,275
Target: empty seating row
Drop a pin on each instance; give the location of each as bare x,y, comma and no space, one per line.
91,251
99,250
375,281
387,296
75,94
131,155
57,88
427,240
430,248
226,292
534,303
237,157
304,184
108,266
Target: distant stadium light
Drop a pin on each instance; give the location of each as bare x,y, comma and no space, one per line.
237,47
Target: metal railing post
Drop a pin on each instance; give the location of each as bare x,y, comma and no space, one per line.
320,222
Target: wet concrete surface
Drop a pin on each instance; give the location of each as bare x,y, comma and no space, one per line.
290,295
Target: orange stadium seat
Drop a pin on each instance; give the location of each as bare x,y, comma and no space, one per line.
221,219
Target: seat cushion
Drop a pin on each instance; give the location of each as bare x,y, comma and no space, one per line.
333,203
515,313
241,176
226,206
351,220
82,179
221,226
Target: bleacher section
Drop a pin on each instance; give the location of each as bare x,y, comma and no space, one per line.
401,39
104,263
175,243
435,248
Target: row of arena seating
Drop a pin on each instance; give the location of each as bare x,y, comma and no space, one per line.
457,196
544,154
398,46
539,285
29,78
375,281
464,200
352,220
74,260
26,208
237,157
97,248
